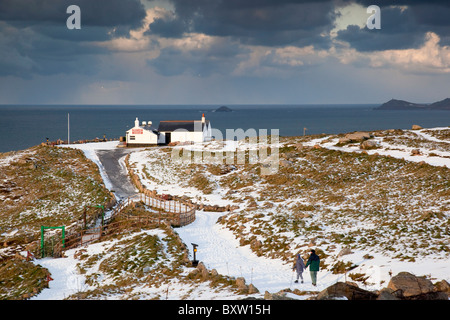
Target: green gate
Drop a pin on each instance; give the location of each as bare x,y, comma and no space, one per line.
47,247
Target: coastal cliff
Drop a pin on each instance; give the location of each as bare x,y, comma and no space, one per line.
394,104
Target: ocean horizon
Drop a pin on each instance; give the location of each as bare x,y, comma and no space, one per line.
23,126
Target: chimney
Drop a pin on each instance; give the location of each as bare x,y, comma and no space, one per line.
203,118
136,123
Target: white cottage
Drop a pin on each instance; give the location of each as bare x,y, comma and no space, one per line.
185,130
142,135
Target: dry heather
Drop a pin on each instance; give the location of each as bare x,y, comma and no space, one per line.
330,198
144,265
46,186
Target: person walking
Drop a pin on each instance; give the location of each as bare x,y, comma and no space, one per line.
313,263
299,266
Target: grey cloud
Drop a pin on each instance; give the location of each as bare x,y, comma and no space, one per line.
252,22
429,15
26,52
35,40
221,57
399,30
384,3
94,12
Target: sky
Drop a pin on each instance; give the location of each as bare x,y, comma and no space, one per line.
223,52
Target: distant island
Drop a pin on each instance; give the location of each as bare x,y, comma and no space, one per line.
223,109
394,104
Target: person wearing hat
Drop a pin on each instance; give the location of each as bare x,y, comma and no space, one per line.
313,263
299,266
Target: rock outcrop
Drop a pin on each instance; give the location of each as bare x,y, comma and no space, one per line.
355,137
345,290
403,286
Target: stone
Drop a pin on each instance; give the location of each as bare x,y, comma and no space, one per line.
368,145
214,274
252,289
345,290
268,296
355,137
240,283
203,271
415,152
442,286
387,294
410,285
416,127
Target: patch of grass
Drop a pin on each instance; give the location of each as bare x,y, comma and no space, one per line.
20,279
50,186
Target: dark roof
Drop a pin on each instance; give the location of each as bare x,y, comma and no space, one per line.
169,126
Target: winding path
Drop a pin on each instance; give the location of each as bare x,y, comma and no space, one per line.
218,249
113,164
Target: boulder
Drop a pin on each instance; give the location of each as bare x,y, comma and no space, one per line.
252,289
415,152
368,145
345,290
387,294
281,295
410,285
416,127
355,137
203,271
242,287
442,286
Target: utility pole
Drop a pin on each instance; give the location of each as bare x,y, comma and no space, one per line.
68,128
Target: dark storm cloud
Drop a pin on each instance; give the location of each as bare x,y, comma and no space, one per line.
404,25
221,57
271,23
25,52
34,38
108,13
384,3
100,19
398,31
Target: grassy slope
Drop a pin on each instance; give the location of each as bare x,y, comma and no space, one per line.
40,186
327,198
46,186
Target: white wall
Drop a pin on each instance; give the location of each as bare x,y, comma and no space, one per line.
141,136
183,136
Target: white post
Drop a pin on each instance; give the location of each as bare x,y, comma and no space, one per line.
68,128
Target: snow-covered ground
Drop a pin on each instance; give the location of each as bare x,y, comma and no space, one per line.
432,157
89,150
219,249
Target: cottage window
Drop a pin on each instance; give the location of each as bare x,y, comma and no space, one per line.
132,138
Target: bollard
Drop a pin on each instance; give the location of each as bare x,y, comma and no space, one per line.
195,261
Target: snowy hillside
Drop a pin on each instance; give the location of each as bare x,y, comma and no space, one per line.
371,208
387,205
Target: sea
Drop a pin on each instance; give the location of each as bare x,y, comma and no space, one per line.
24,126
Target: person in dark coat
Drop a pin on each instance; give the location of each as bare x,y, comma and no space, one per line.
299,266
313,263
